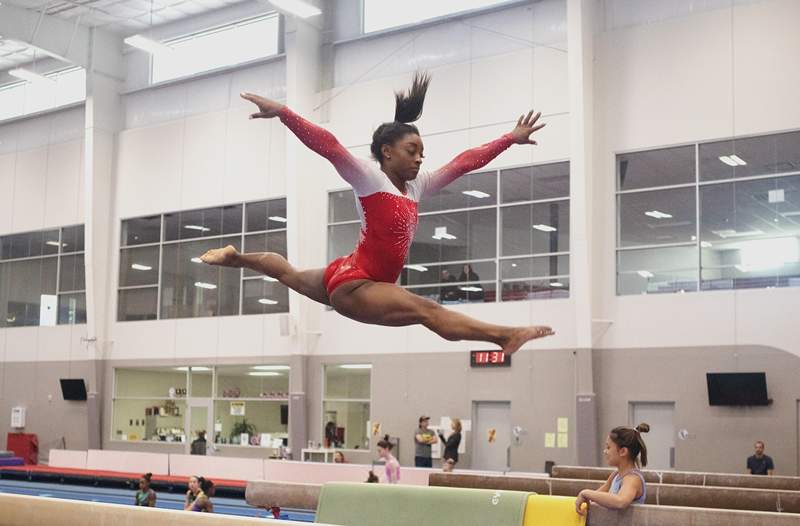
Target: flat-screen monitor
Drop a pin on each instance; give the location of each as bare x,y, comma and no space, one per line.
737,389
284,415
73,389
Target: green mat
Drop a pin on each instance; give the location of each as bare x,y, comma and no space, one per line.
347,504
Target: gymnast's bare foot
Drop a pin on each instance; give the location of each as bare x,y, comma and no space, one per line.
224,257
517,337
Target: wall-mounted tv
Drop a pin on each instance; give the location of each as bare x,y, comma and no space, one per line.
73,389
737,389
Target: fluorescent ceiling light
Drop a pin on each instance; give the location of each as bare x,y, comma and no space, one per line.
470,289
202,285
270,279
440,232
724,234
545,228
514,265
705,244
296,8
195,368
658,215
556,284
645,274
30,76
738,160
264,373
197,227
791,214
196,260
53,243
727,160
271,367
764,254
356,366
267,301
418,268
137,266
776,196
476,193
147,44
279,219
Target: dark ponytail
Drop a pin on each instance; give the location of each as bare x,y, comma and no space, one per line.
408,104
147,477
407,109
385,443
632,439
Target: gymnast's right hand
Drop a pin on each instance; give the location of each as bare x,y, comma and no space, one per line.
267,109
224,257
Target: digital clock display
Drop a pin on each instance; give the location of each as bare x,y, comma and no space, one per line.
489,359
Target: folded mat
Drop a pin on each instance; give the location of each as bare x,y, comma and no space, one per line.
348,504
547,510
12,461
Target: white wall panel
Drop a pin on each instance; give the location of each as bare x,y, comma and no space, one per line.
154,106
29,190
54,343
276,163
241,336
149,158
447,105
247,148
208,94
203,160
78,345
550,80
64,184
196,337
7,176
501,87
22,344
765,82
143,340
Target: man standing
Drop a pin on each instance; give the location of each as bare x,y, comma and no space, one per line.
422,444
760,464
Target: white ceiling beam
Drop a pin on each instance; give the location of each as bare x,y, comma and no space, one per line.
65,40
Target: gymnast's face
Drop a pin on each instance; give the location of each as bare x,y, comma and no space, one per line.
404,157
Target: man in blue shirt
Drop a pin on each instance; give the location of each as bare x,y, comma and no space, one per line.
760,464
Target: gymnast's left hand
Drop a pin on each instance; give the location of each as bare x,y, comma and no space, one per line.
526,125
267,108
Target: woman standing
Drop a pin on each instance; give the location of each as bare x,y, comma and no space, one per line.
392,465
452,442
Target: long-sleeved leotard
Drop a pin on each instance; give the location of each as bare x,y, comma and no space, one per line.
388,217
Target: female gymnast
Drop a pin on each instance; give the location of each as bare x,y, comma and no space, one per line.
361,286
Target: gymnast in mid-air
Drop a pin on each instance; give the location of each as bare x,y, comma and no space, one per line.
361,286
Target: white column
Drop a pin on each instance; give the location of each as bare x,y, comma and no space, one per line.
306,203
580,35
103,118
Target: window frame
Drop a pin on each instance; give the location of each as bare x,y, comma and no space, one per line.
697,184
161,243
324,398
499,258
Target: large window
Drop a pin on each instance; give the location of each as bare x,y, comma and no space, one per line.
150,404
488,236
715,215
64,87
42,280
228,45
161,275
378,17
346,406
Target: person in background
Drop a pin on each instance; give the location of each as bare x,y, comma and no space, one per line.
448,465
626,451
448,292
423,439
452,442
338,458
202,501
198,446
469,275
760,464
145,496
392,465
191,493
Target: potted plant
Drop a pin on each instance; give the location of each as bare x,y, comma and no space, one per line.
241,427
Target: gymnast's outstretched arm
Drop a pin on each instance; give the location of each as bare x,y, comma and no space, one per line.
479,157
314,137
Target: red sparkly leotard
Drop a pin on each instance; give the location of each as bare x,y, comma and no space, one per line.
388,217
